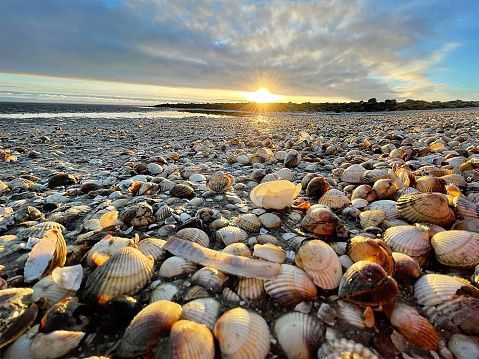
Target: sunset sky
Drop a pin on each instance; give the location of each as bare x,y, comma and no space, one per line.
144,52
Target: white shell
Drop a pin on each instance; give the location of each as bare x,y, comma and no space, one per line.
432,289
275,194
202,311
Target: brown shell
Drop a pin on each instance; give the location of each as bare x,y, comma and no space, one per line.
209,278
364,192
124,273
321,221
384,188
467,224
457,248
249,222
191,340
181,190
430,184
405,267
195,235
307,178
371,176
426,207
463,208
249,289
145,329
362,248
238,249
140,214
257,175
317,187
334,199
372,218
175,266
455,179
219,182
292,159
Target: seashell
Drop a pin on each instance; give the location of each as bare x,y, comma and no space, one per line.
229,235
141,336
219,182
405,267
270,220
55,344
364,192
433,170
410,240
242,334
195,235
467,224
249,222
104,249
165,291
371,176
334,199
191,340
403,191
202,311
140,214
351,313
257,175
352,211
269,252
124,273
300,203
299,334
455,179
307,178
39,230
238,249
209,278
286,174
321,221
372,218
290,287
398,153
457,248
464,208
166,185
270,177
367,283
344,348
181,191
430,184
413,326
249,289
175,266
50,252
163,213
274,194
51,291
464,346
317,187
292,159
152,247
362,248
320,263
267,238
353,174
384,188
426,207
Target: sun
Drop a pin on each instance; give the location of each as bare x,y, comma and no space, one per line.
261,96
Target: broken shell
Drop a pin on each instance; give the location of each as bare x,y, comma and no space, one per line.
175,266
165,291
320,263
457,248
410,240
195,235
242,334
51,291
202,311
145,329
270,220
362,248
230,234
269,252
191,340
209,278
344,348
372,218
317,187
152,247
219,182
249,222
274,194
321,221
55,344
365,192
299,334
291,286
105,248
125,272
426,207
334,199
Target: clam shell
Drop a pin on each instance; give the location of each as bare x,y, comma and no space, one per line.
364,192
385,205
299,334
257,175
384,188
196,292
286,174
104,249
372,218
125,272
307,178
39,230
317,187
163,213
351,313
426,207
230,234
455,179
270,220
403,191
362,248
191,340
175,266
219,182
152,247
267,238
238,249
51,291
242,334
202,311
250,289
464,208
139,214
353,174
292,159
321,221
405,266
209,278
274,194
291,286
430,184
410,240
467,224
249,222
344,348
165,291
55,344
145,329
464,346
457,248
195,235
334,199
371,176
320,263
269,252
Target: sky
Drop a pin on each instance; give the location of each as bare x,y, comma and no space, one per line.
145,52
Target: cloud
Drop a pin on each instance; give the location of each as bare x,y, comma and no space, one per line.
348,49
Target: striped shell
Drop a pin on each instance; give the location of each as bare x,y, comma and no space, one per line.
385,205
242,334
362,248
220,182
410,240
320,263
270,220
51,291
430,184
181,190
191,340
195,235
464,208
175,266
165,291
426,207
457,248
371,176
250,289
403,191
455,179
55,344
104,249
238,249
209,278
249,222
230,234
317,187
39,230
292,159
467,224
433,289
334,199
351,313
124,273
202,311
344,348
269,252
299,334
152,247
372,218
274,194
145,329
353,174
291,286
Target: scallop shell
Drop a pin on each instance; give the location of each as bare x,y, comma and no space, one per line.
430,184
175,266
249,289
334,199
372,218
269,252
299,334
371,176
455,179
202,311
270,220
249,222
292,159
321,221
362,248
384,188
433,289
196,292
291,286
152,247
267,238
166,184
195,235
163,213
353,174
165,291
426,207
274,194
317,187
385,205
191,340
238,249
467,224
181,190
410,240
145,329
125,272
55,344
242,334
228,235
140,214
320,263
351,313
365,192
403,191
209,278
286,174
367,283
344,348
219,182
457,248
39,230
104,249
51,291
464,208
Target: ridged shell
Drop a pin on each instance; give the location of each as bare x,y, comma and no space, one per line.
125,272
242,334
371,176
362,248
274,194
426,207
165,291
249,222
334,199
365,192
145,329
163,213
285,173
181,190
403,191
291,286
457,248
455,179
351,313
175,266
430,184
196,292
51,291
195,235
321,221
320,263
299,334
257,175
467,224
464,208
55,344
307,178
152,247
385,205
367,283
140,214
410,240
317,187
344,348
104,249
292,159
191,340
230,234
209,278
219,182
202,311
267,238
372,218
249,289
353,174
433,289
39,230
238,249
269,252
270,220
